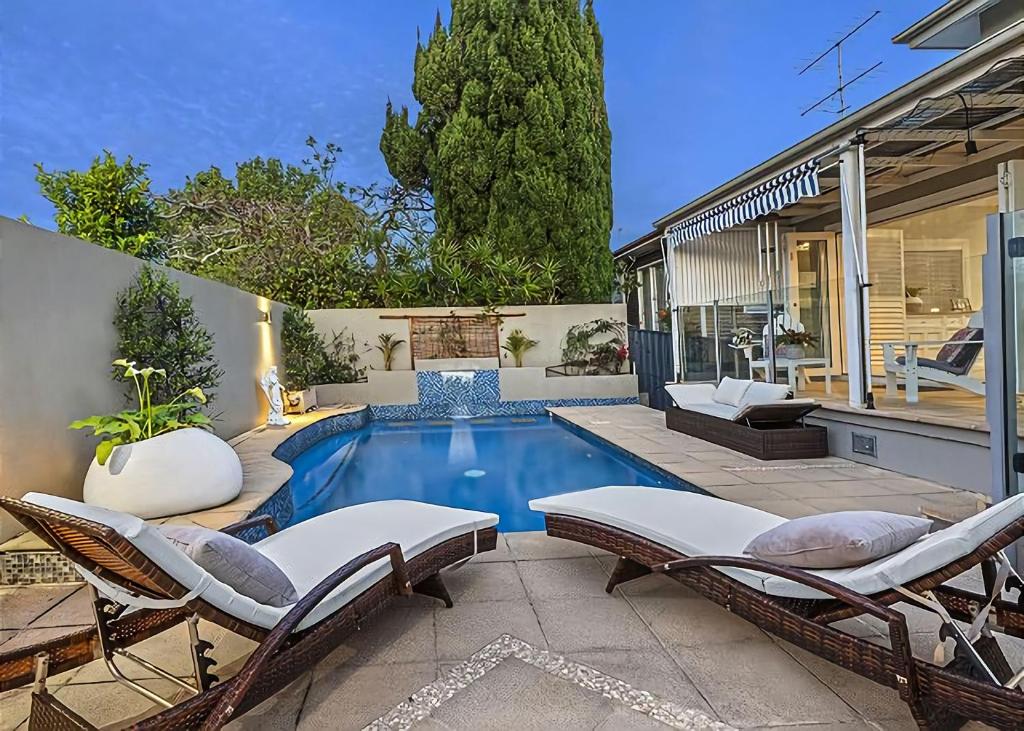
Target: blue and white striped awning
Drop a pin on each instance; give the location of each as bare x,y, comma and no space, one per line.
776,194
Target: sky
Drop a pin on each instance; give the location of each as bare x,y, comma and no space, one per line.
697,90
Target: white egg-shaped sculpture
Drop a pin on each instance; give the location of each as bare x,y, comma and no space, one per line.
178,472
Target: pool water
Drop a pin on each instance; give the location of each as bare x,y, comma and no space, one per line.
496,465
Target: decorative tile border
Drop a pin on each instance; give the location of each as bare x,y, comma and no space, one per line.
531,407
319,430
431,697
22,568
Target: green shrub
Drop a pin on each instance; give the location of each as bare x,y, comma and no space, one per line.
158,326
307,359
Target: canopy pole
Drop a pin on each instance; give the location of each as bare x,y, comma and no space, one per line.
855,275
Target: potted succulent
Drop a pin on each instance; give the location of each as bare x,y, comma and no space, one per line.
388,344
516,345
792,344
159,459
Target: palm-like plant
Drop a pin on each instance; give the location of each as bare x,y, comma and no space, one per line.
389,343
516,345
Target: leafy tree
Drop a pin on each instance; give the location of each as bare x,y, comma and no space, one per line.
477,272
108,204
158,327
512,139
282,231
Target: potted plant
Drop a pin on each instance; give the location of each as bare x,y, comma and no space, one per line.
159,459
792,344
516,345
388,344
915,305
304,357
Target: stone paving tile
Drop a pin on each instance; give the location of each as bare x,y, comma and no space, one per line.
15,706
500,552
465,628
785,508
756,683
532,545
402,634
20,605
650,670
746,492
484,582
581,625
499,699
347,697
683,622
874,702
279,713
75,609
571,578
111,704
709,477
650,585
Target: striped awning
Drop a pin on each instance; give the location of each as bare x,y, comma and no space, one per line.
776,194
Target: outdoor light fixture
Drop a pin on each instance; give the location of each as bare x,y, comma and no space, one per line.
970,146
265,317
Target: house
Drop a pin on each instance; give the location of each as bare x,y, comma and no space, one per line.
871,234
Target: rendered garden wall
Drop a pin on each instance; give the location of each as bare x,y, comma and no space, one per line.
57,340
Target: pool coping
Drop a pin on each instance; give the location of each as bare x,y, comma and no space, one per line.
627,455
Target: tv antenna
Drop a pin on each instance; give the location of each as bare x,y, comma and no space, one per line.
842,85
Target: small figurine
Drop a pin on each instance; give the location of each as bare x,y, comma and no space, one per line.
274,392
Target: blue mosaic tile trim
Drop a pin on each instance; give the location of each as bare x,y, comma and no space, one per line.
279,506
458,392
628,456
531,407
306,437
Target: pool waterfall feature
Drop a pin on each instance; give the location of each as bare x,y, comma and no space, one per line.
459,393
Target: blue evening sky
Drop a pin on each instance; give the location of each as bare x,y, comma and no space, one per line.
697,90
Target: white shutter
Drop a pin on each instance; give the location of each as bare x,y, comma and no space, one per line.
886,296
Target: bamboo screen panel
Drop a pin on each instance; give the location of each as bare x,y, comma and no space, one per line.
453,337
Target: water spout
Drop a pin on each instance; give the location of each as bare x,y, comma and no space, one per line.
458,392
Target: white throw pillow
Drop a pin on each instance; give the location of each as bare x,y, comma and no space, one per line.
765,393
731,391
837,540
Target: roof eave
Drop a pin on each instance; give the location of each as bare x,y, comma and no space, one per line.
843,130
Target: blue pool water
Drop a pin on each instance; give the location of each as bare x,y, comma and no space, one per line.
496,465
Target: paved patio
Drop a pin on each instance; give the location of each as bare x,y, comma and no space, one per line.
557,652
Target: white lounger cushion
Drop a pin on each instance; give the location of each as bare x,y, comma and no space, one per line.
698,525
307,552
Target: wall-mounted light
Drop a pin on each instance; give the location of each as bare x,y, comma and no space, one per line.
970,146
266,317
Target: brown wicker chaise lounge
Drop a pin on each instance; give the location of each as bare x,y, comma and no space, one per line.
155,586
698,541
761,421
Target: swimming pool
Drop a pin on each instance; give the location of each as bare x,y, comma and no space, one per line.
495,464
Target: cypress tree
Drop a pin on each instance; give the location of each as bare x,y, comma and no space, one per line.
512,137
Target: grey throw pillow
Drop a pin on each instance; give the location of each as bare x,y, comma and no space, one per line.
234,563
837,540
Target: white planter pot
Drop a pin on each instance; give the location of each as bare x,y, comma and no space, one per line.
178,472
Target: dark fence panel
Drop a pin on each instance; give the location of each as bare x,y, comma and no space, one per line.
652,357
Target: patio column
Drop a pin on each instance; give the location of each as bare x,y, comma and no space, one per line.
669,257
855,273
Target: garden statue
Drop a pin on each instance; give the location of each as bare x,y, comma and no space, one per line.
274,392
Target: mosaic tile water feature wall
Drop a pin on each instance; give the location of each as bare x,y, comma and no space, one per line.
447,394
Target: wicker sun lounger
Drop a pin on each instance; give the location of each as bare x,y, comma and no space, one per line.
698,541
347,566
